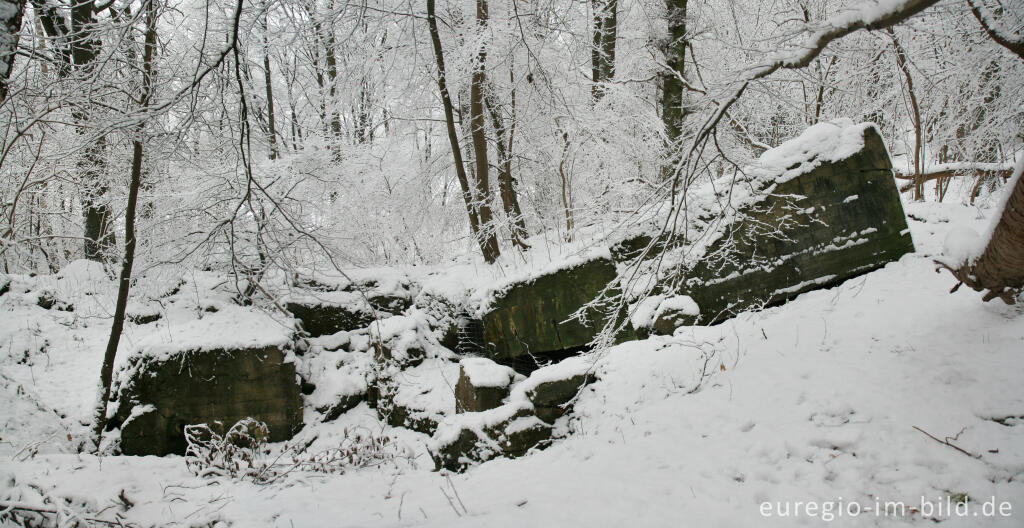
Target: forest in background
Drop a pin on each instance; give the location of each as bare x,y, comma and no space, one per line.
264,134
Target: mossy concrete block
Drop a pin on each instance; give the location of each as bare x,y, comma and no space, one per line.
818,229
532,317
551,399
472,441
167,393
344,404
411,418
482,385
319,319
462,451
667,322
674,312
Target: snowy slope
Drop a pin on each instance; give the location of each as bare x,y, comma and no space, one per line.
814,401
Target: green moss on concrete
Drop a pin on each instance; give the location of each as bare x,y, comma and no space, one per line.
319,319
206,387
471,398
550,399
531,317
809,233
512,437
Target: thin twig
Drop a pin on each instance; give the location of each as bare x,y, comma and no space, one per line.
9,506
947,442
450,503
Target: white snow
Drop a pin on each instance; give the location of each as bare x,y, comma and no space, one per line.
563,370
825,142
815,401
483,372
961,245
337,375
643,313
647,311
428,389
801,285
449,429
679,303
231,327
1000,204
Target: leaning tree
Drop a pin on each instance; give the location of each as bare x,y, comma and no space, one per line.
998,267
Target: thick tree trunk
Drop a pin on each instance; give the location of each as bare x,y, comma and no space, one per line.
478,129
449,119
76,49
673,101
84,50
999,270
124,285
1001,265
11,12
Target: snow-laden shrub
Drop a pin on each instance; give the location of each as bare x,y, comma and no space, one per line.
359,448
236,454
242,453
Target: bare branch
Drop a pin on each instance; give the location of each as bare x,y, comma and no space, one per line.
1014,43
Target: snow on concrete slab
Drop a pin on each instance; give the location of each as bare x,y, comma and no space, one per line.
825,142
483,372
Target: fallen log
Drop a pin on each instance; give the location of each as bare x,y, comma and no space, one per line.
951,170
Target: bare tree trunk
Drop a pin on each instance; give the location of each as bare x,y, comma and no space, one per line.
55,28
85,47
478,124
107,370
363,123
76,47
506,183
320,82
673,102
449,119
566,189
326,35
819,100
271,128
1000,267
901,61
99,238
602,54
10,21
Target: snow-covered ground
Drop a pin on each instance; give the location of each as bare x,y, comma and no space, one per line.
821,408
